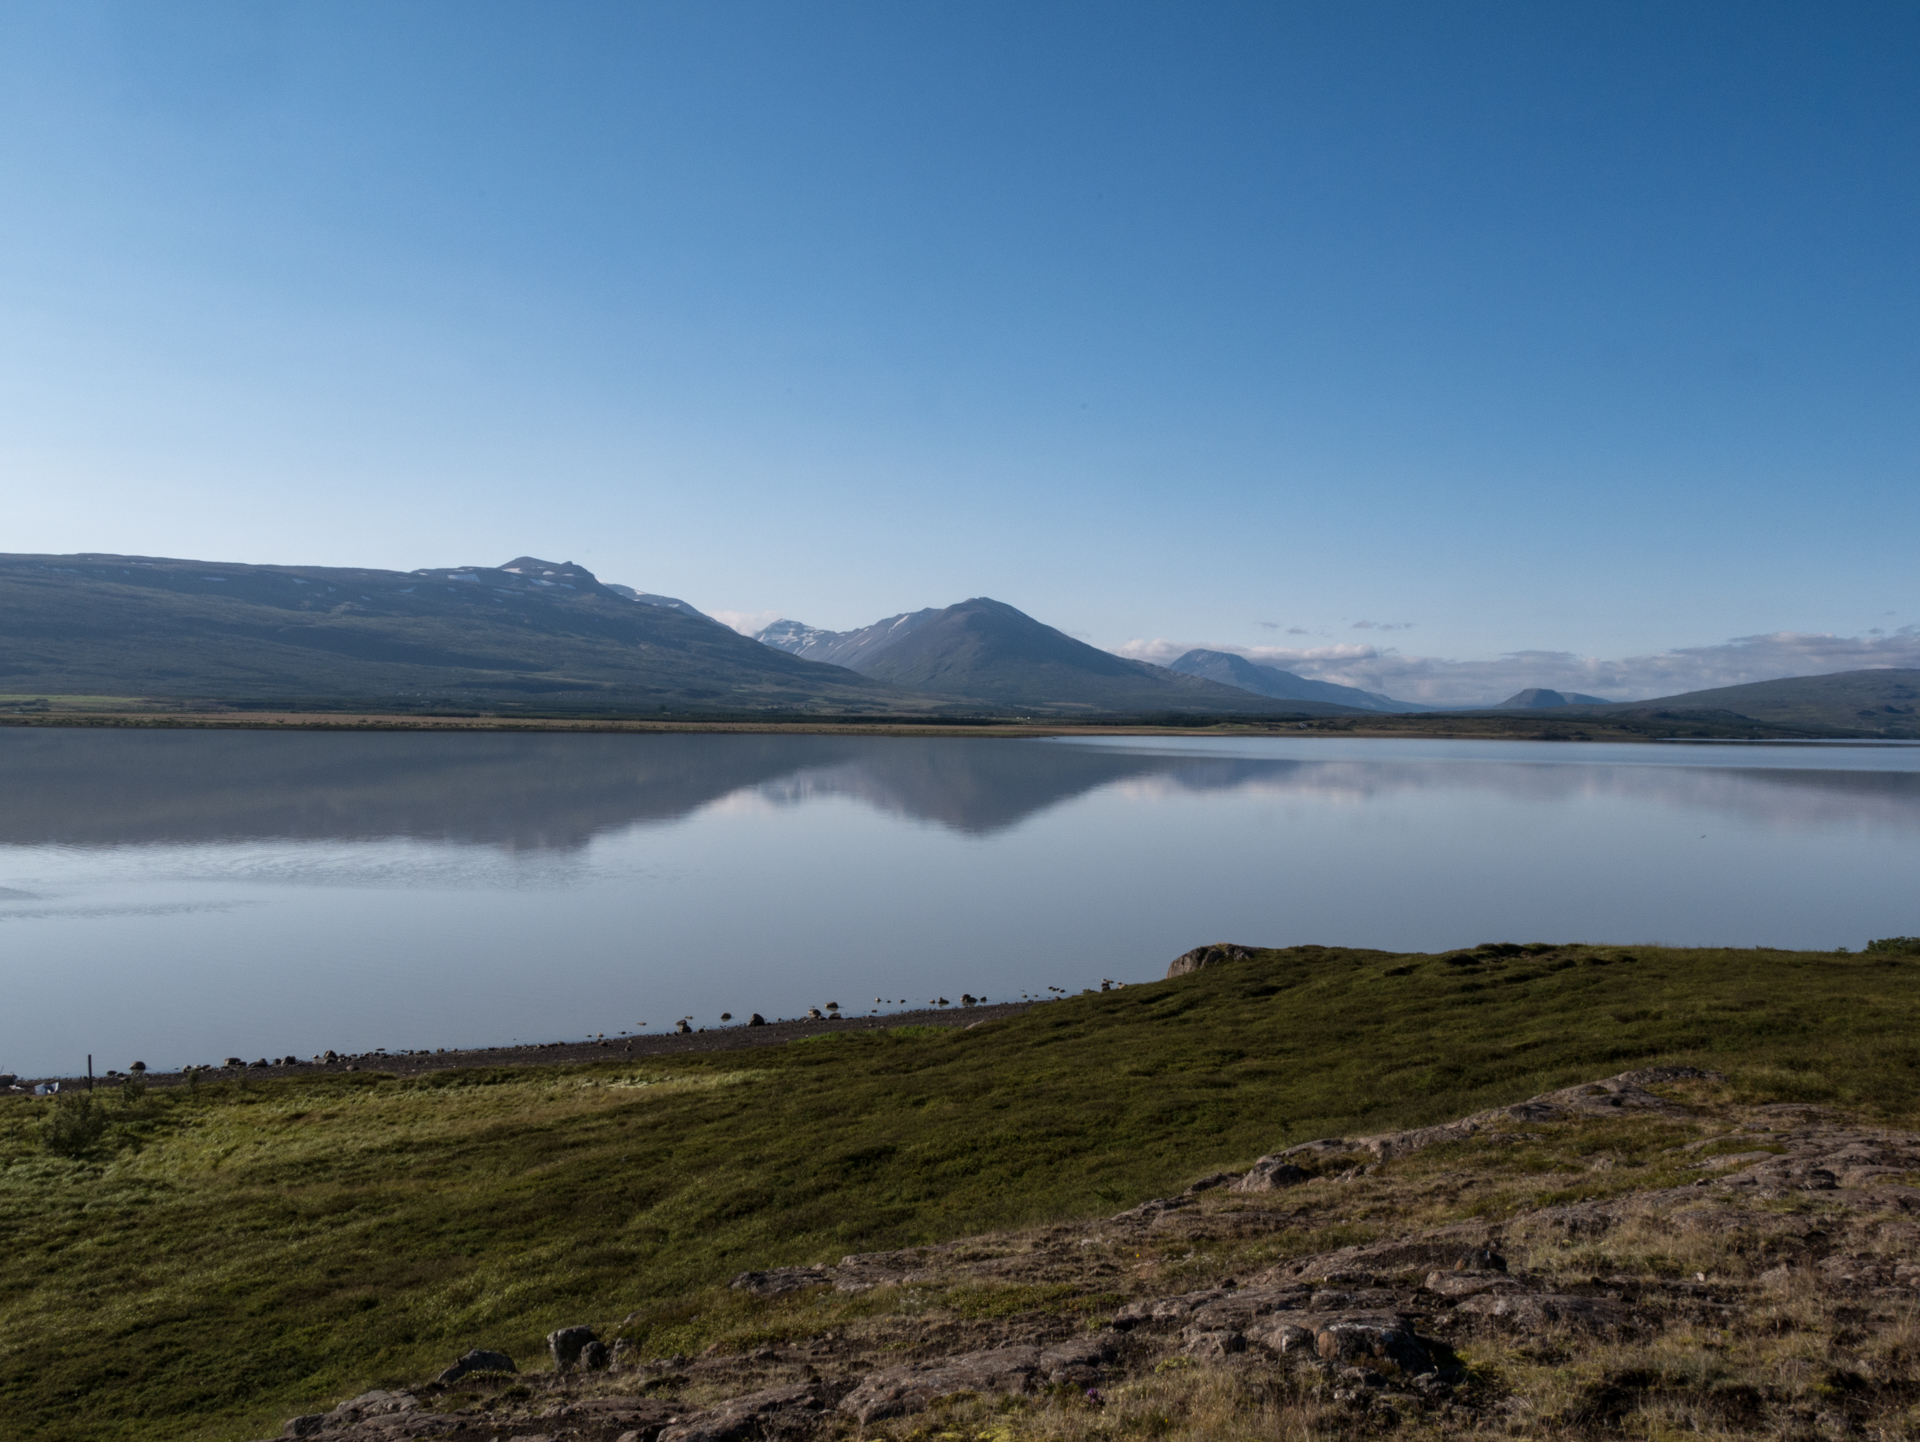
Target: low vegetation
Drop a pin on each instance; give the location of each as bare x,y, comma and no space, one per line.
212,1259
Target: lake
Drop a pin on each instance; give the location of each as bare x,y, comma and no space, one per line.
179,896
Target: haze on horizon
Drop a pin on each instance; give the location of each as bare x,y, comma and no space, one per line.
1436,350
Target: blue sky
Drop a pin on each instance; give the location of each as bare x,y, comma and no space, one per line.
1576,332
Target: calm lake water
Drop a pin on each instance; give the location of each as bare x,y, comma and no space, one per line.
180,897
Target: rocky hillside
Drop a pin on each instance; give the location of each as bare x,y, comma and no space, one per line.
1642,1255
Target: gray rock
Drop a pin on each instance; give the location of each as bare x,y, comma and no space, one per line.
1469,1284
897,1391
478,1360
778,1409
1272,1174
1377,1346
777,1281
595,1356
683,1028
1191,961
567,1343
1213,1346
1537,1311
756,1020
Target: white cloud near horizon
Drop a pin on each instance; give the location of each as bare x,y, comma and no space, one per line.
747,623
1436,681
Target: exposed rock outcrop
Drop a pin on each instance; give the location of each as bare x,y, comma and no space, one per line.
1220,951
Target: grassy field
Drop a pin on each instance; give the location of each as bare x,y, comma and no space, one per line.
228,1255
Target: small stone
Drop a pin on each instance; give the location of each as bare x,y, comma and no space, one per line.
1481,1259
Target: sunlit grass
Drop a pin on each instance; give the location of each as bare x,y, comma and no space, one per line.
242,1251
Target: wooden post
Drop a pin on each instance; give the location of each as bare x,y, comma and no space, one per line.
89,1071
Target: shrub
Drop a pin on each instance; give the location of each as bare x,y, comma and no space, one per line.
1895,946
74,1127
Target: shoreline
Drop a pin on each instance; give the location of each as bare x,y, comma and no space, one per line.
738,1036
1462,727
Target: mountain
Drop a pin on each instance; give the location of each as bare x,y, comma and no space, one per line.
1231,670
1885,701
842,648
531,632
1538,698
647,598
988,650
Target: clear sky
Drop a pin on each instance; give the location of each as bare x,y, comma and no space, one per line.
1584,331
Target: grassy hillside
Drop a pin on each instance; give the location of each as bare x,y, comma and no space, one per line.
139,626
1883,701
232,1254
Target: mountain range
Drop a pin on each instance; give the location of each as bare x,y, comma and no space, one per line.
550,636
987,649
531,633
1264,680
528,632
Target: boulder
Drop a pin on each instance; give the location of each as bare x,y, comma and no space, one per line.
756,1020
478,1360
594,1357
683,1028
1213,1346
1379,1346
1191,961
566,1345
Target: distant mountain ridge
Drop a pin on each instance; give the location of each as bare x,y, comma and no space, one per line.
988,649
1882,700
1539,698
528,632
843,648
1264,680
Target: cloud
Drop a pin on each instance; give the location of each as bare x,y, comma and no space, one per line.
746,622
1268,625
1298,631
1438,681
1382,626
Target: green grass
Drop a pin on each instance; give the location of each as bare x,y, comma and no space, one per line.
234,1254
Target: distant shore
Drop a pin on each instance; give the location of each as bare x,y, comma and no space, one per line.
736,1037
1529,726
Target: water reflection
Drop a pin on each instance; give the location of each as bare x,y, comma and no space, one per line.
543,792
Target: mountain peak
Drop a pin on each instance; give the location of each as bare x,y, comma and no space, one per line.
1540,698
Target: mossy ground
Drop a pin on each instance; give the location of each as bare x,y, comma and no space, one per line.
238,1252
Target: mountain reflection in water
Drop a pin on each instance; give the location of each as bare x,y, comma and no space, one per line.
552,792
